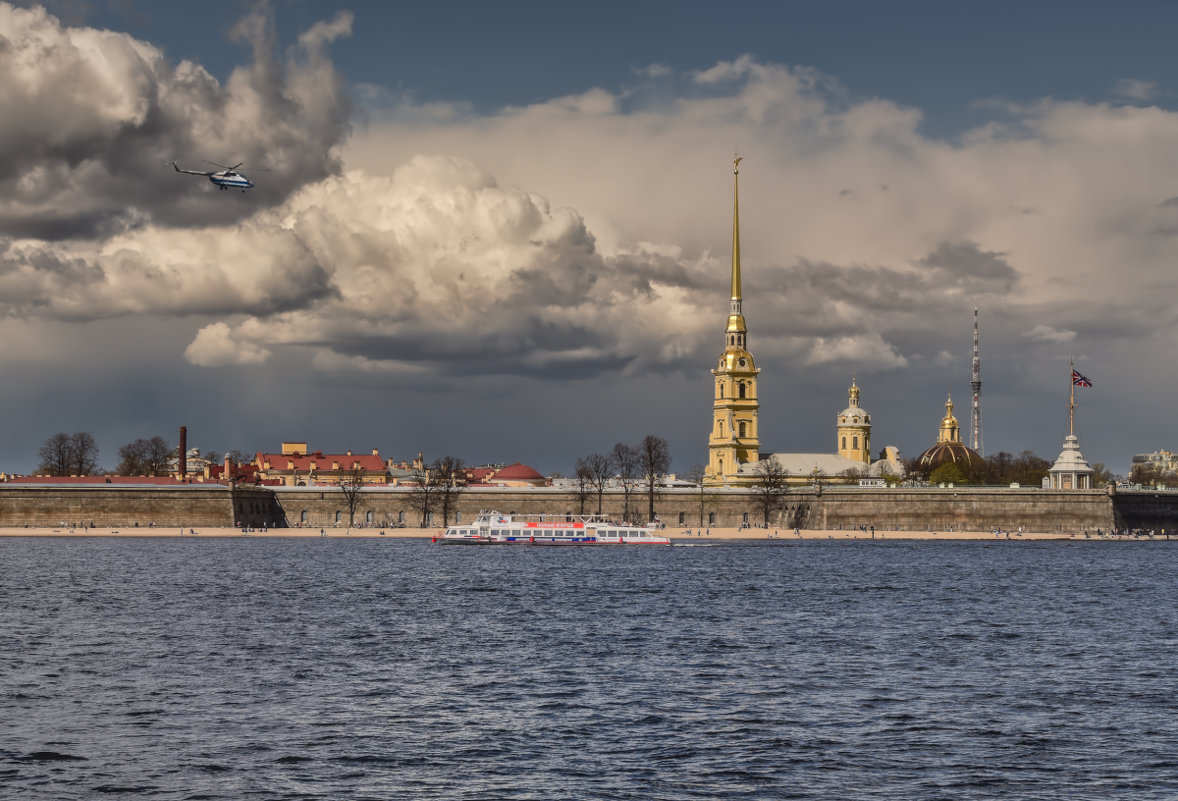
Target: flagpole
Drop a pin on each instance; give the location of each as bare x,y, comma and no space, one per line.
1072,399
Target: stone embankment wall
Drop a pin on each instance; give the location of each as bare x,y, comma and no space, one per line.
980,509
962,509
29,505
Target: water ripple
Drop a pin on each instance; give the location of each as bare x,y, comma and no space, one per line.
371,669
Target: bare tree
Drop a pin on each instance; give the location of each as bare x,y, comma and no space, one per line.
351,486
145,457
422,495
654,460
770,487
598,468
449,480
851,475
583,486
696,476
69,455
625,459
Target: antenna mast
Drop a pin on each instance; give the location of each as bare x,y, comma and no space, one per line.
976,386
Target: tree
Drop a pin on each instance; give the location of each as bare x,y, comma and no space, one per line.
69,455
145,457
654,460
851,475
625,459
1101,475
583,486
948,473
422,495
449,480
597,469
770,486
352,486
1029,470
696,476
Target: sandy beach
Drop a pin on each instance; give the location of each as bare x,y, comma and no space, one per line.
677,534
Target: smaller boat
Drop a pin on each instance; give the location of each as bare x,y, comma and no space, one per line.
494,528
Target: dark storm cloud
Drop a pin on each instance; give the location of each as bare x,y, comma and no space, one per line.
92,116
973,269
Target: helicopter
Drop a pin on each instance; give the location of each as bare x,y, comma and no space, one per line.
226,177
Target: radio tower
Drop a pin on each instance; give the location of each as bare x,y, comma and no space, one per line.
976,386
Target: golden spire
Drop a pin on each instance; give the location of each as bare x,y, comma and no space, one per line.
735,316
853,392
736,227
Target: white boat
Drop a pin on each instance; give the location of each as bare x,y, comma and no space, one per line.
494,528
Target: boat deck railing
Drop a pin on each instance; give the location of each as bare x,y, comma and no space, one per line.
496,517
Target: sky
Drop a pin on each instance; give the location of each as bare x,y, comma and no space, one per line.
502,232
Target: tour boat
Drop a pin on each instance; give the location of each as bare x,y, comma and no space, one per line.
493,528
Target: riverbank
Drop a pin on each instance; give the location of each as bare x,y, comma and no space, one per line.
677,534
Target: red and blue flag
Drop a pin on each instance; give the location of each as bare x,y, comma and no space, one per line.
1079,380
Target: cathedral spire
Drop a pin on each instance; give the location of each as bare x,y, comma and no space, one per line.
735,331
736,233
734,441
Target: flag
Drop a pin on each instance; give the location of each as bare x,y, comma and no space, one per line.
1079,380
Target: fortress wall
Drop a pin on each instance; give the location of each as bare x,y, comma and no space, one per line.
1146,510
980,509
963,509
130,506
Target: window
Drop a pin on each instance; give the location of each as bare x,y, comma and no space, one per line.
740,390
368,517
721,390
682,517
742,425
338,515
855,443
458,517
711,518
721,423
303,516
400,517
745,518
844,445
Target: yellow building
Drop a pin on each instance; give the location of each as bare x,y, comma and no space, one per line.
854,429
734,439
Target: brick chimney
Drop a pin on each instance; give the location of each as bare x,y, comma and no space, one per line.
183,453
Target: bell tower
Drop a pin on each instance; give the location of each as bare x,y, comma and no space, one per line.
734,439
854,428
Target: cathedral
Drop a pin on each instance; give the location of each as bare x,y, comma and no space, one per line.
734,446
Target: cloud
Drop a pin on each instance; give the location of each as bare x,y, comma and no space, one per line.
1045,333
438,266
214,347
91,116
1135,89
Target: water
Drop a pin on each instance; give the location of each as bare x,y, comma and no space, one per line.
379,669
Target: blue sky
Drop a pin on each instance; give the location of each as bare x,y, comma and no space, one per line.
483,221
942,58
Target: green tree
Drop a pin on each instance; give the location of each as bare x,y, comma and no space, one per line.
948,473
